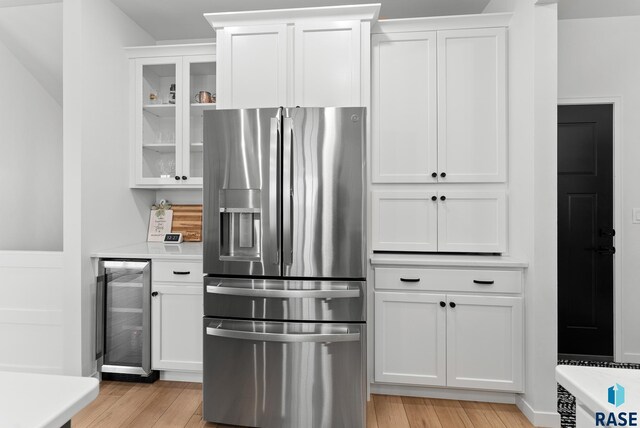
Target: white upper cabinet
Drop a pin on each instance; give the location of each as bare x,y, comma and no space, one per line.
327,64
472,130
308,57
405,221
253,66
166,118
404,108
472,221
439,106
445,221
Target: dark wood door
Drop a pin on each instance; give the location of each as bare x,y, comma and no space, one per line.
585,230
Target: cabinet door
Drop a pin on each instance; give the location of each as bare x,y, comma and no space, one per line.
327,64
410,338
404,108
484,342
157,106
472,222
405,221
199,76
253,63
176,327
472,132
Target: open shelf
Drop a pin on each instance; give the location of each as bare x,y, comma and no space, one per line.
160,110
161,147
199,108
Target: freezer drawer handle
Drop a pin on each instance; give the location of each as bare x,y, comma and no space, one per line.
279,337
252,292
478,281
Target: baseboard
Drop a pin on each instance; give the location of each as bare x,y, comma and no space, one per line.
629,357
538,419
444,393
181,376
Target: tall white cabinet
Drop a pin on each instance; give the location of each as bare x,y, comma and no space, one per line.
439,117
311,57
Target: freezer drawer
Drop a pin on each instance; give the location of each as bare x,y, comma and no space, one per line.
277,375
274,299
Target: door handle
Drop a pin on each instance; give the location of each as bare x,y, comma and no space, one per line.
274,184
282,294
602,250
280,337
287,191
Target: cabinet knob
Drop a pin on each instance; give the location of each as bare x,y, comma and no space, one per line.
154,294
442,304
184,177
453,305
177,177
443,198
443,174
434,174
433,198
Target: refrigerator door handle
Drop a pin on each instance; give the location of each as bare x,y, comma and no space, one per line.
274,186
283,294
287,191
279,337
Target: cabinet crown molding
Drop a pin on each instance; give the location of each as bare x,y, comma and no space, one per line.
454,22
360,12
170,50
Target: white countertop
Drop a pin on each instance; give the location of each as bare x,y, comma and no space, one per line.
43,401
447,260
155,250
590,386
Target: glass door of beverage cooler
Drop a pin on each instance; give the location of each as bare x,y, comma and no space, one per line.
127,322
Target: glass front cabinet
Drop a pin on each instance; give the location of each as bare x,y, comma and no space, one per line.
171,87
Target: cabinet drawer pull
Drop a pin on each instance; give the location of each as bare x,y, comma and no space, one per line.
177,272
410,279
477,281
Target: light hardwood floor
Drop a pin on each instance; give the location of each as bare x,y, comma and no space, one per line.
178,404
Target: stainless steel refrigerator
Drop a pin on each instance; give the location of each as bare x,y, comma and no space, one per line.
284,262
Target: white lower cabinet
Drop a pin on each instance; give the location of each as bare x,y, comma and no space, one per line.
176,327
472,341
410,345
484,342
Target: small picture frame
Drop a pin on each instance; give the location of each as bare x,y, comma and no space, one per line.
159,224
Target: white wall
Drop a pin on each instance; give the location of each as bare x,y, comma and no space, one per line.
30,148
102,211
599,58
31,282
532,192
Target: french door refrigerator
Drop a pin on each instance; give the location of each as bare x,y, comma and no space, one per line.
284,261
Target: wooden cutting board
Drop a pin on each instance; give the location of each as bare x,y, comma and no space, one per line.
187,219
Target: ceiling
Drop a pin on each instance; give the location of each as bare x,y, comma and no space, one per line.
576,9
180,19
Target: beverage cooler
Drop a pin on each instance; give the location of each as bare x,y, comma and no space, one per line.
123,320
